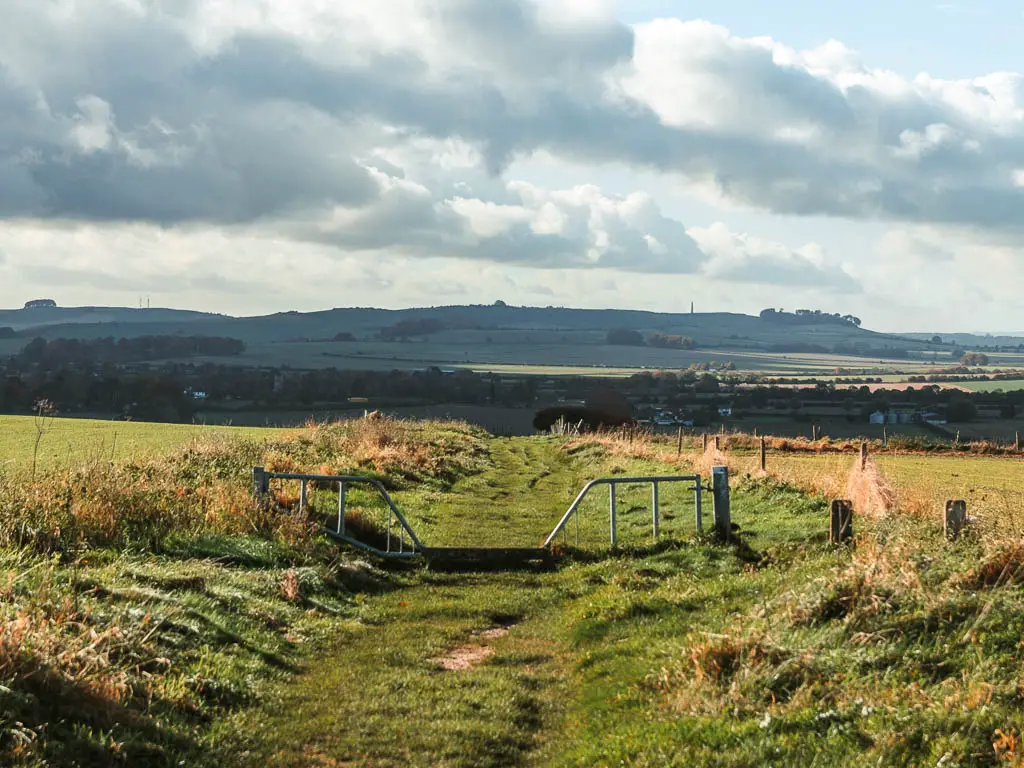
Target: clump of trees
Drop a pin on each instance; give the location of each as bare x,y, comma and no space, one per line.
808,317
974,359
625,337
665,341
57,353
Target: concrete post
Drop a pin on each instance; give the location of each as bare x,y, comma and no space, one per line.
722,513
840,528
955,519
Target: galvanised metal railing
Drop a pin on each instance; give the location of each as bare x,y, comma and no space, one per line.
261,487
612,482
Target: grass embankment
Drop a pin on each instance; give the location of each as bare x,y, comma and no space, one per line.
141,600
237,638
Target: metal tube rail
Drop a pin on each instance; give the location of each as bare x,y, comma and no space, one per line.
343,481
613,481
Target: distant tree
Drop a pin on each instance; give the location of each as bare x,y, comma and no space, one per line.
974,358
936,339
706,384
961,409
500,303
7,333
664,341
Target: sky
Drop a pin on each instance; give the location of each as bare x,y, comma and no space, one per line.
256,156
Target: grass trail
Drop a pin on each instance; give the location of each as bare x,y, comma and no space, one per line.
561,686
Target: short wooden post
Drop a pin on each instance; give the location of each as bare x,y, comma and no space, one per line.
720,495
755,431
1016,441
840,527
764,456
863,456
704,439
885,437
723,428
718,445
679,442
956,518
260,482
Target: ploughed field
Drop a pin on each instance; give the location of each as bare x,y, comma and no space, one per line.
151,613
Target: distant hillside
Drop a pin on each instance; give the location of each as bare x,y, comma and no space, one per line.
23,319
718,329
464,335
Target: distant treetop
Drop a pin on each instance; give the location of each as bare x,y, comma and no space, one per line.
808,317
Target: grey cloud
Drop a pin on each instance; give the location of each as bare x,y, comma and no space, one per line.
266,127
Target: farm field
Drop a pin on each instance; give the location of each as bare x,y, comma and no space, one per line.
70,442
546,353
161,617
991,386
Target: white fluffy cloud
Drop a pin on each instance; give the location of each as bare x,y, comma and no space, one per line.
387,128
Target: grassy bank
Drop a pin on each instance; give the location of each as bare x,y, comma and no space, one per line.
152,614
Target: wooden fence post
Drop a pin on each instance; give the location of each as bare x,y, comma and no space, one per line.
679,442
704,440
863,456
720,495
260,482
764,456
840,528
718,445
956,518
1016,441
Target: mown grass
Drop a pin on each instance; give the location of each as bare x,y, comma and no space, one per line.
168,619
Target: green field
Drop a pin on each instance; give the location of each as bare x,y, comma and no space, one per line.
153,614
70,442
991,386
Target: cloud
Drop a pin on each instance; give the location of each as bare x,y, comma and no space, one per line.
742,258
175,110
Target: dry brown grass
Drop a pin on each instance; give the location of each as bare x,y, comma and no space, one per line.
205,487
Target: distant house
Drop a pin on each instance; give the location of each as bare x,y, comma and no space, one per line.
725,411
40,304
878,417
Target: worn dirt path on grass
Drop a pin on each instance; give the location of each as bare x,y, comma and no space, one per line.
458,669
